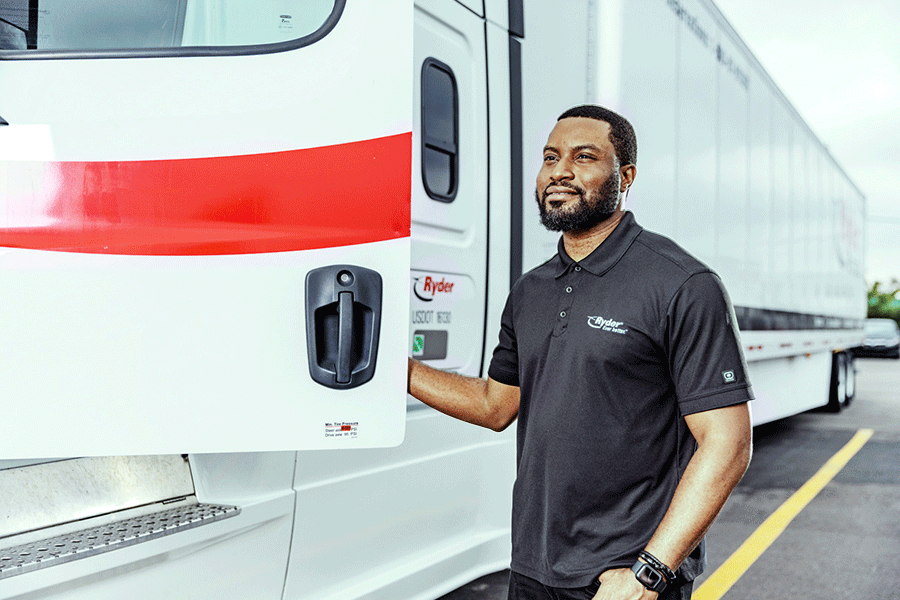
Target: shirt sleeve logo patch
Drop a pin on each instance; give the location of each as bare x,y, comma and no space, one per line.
607,325
728,376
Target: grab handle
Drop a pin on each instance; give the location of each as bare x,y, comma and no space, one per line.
343,320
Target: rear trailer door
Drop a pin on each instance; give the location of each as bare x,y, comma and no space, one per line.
204,225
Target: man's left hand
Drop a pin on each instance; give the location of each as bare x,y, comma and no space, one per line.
621,584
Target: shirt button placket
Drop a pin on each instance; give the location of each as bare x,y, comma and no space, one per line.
564,306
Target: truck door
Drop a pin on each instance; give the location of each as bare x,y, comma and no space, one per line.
450,188
204,225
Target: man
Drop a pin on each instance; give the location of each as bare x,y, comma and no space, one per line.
621,359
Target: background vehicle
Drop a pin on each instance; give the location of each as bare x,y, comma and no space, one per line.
725,166
882,339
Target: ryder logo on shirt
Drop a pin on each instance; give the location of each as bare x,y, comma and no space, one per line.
606,324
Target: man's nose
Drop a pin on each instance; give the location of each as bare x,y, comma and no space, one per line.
561,170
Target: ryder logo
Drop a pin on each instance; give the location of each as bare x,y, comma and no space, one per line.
607,325
426,288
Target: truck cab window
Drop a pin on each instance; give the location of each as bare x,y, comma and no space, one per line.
105,25
440,131
14,24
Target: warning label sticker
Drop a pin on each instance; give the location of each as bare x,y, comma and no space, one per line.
342,429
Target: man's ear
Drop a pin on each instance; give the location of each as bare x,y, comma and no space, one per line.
627,174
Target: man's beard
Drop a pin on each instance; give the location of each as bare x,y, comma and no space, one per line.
586,212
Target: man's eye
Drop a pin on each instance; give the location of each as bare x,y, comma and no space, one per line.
549,158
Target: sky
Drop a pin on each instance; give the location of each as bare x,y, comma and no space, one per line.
838,62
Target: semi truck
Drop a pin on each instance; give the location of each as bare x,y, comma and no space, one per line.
225,224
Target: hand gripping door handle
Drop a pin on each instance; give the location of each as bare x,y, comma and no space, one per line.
343,320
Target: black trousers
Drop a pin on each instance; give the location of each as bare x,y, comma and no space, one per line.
525,588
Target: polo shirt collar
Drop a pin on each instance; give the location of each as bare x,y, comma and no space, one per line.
606,255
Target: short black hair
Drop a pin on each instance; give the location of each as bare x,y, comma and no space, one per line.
621,133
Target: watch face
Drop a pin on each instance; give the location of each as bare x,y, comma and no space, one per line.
648,576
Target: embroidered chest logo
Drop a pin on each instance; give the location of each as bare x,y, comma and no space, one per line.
607,325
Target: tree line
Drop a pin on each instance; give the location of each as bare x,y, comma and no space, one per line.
885,303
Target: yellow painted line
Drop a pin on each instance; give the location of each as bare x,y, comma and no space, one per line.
737,564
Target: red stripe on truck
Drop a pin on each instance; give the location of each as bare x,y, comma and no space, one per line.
295,200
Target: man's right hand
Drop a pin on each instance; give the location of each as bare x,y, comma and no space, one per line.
488,403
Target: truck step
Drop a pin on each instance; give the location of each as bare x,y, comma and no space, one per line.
61,549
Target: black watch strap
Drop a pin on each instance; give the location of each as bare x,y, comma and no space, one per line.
658,565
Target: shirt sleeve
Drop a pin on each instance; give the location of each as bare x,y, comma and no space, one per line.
704,347
505,360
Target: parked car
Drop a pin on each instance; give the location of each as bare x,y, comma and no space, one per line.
882,339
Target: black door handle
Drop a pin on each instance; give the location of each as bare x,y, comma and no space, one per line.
345,337
343,320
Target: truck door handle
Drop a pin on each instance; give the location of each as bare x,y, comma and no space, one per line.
343,320
345,337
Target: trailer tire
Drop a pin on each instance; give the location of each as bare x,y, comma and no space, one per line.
837,395
850,386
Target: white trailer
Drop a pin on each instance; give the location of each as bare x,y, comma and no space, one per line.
728,169
179,337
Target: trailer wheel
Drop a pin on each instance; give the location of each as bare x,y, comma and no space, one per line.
850,386
837,396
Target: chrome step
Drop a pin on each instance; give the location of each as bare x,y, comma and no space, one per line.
60,549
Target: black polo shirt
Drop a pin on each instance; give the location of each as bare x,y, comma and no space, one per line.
609,354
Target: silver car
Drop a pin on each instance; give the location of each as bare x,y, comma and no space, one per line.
882,339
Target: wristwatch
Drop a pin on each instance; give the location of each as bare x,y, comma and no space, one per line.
649,576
